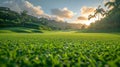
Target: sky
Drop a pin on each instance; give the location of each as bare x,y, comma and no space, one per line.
72,11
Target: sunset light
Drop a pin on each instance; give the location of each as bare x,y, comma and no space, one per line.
59,33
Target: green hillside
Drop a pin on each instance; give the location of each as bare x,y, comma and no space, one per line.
9,18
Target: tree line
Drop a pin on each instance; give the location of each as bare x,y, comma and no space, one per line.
9,18
111,21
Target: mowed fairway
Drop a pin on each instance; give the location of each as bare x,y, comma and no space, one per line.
62,49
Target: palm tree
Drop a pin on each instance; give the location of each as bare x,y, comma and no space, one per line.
99,11
110,4
91,16
114,4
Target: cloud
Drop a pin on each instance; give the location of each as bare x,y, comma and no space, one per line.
112,0
20,5
82,18
12,5
63,13
84,13
105,1
33,9
87,10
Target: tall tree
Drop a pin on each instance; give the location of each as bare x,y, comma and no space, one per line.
23,16
114,4
91,16
99,11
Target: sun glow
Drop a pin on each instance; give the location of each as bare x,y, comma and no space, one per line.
91,21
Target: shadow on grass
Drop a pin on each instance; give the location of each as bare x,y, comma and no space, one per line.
36,31
21,30
27,31
99,31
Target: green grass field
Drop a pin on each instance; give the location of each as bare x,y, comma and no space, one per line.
60,49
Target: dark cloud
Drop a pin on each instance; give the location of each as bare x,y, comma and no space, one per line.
82,18
63,13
